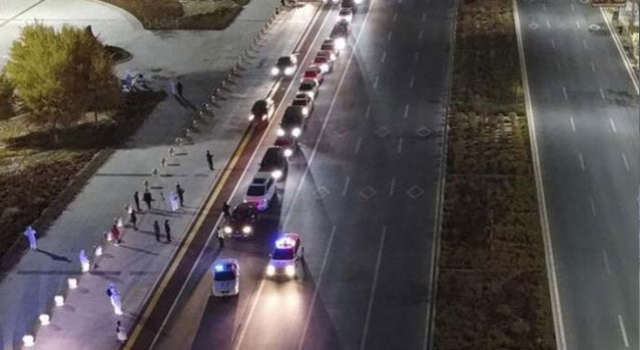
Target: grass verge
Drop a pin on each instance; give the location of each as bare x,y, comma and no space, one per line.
492,283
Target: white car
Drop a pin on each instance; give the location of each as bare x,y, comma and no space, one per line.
288,251
261,191
226,277
345,14
309,87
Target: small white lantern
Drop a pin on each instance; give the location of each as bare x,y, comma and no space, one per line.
59,300
73,283
28,340
44,319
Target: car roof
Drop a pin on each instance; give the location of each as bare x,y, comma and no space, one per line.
314,68
286,59
291,235
292,115
260,179
309,81
272,153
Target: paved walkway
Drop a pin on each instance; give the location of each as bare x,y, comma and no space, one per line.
201,59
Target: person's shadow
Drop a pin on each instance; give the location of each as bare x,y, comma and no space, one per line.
54,256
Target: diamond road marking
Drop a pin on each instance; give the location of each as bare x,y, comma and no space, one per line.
382,131
321,192
367,193
534,26
342,131
594,27
423,132
415,192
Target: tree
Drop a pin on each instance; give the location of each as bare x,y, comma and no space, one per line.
57,75
103,87
6,97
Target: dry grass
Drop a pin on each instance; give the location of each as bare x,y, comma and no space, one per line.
492,286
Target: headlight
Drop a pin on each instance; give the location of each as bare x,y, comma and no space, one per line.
275,71
296,132
246,229
280,132
228,230
340,42
305,111
332,56
288,152
251,117
276,174
289,70
324,67
290,271
271,270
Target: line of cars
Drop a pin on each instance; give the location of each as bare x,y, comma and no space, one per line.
262,191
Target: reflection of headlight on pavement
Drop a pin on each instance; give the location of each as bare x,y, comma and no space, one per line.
280,132
305,111
276,174
271,270
290,271
340,42
296,132
289,70
227,229
246,229
251,117
275,71
288,152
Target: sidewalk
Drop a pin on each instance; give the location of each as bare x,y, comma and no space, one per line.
87,320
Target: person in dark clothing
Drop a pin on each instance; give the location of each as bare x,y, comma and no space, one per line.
167,230
209,159
146,197
156,230
221,237
136,199
133,218
226,210
180,193
179,88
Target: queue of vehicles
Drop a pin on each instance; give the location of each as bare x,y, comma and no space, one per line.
262,191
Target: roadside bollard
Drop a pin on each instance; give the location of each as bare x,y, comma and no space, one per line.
59,300
72,283
44,319
28,340
84,261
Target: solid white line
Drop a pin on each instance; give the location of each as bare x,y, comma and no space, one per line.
400,146
317,288
564,92
406,111
623,56
389,36
420,35
363,340
393,186
573,124
592,204
384,56
572,8
623,331
424,16
412,81
395,17
613,125
593,67
606,262
553,44
582,166
346,186
578,23
366,114
416,57
561,343
375,82
358,145
558,67
602,94
548,25
584,44
626,162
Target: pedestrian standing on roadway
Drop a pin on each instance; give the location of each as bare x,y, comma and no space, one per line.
30,233
226,210
167,230
114,296
121,334
221,237
209,159
156,230
180,193
136,199
133,219
146,197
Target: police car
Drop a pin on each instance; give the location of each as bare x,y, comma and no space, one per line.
288,251
226,277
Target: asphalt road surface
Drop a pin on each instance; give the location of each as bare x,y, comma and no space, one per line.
586,113
361,191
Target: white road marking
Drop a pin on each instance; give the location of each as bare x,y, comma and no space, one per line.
592,204
366,114
406,111
363,340
400,146
593,67
420,35
564,92
584,44
412,81
613,125
416,57
317,288
548,24
384,56
393,186
553,44
558,67
572,8
544,7
602,94
573,124
578,24
581,159
623,331
346,186
424,16
626,162
606,262
623,56
389,36
358,145
395,17
375,82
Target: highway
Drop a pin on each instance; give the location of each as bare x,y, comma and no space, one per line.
586,112
362,193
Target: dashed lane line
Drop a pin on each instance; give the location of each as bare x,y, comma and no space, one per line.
372,295
623,331
573,124
346,186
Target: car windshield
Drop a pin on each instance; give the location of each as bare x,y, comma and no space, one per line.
306,86
270,158
240,214
224,276
345,12
299,102
256,191
284,61
327,47
292,117
283,254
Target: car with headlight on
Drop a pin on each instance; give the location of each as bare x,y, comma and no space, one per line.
332,56
340,33
285,66
274,163
226,277
350,4
324,62
310,87
261,111
261,191
313,72
305,101
290,129
345,14
242,221
330,45
288,251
